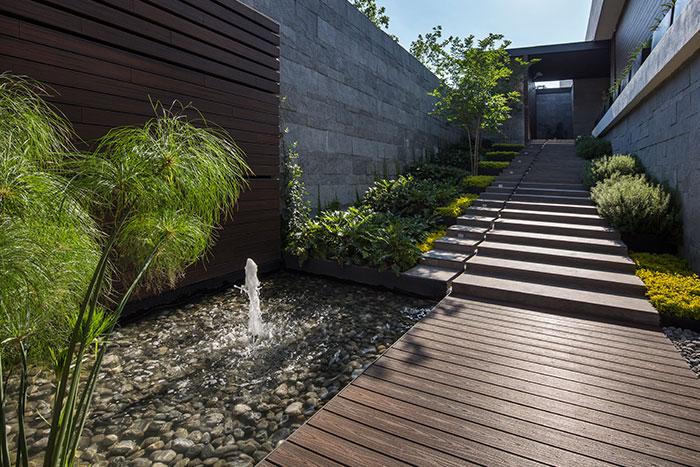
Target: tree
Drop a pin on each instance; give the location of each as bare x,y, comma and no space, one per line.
476,82
374,13
140,208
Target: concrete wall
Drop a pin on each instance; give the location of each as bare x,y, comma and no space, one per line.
588,103
664,131
554,113
354,97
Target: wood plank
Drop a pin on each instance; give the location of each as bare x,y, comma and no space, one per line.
130,63
668,362
335,447
626,432
294,455
651,376
638,396
116,37
521,450
364,407
464,405
380,441
472,311
234,12
612,329
608,402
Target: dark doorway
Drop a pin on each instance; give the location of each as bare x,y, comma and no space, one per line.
555,113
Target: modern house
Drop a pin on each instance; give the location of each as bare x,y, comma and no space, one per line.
654,111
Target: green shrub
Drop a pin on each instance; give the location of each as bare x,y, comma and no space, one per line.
634,205
590,147
507,147
457,207
455,157
672,287
407,196
501,153
493,165
429,242
363,237
437,172
605,167
479,181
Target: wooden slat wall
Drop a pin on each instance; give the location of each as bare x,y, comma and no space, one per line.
107,58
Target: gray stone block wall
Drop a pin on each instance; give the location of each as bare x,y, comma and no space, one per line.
354,97
588,103
664,131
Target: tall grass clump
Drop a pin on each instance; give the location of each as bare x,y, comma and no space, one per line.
138,210
634,205
605,167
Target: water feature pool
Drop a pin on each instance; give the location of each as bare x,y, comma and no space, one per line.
188,385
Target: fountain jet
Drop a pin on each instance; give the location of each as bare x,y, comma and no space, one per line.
251,288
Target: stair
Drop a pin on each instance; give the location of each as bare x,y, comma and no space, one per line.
616,282
445,259
548,248
569,299
559,256
555,228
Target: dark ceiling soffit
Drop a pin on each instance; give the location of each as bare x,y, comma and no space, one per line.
560,48
578,60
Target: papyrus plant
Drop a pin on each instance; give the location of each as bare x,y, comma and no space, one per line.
137,211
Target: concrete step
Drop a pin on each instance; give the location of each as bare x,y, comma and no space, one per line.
460,245
488,203
560,217
427,281
553,192
552,228
567,276
573,258
465,231
476,221
445,259
563,186
593,245
552,199
552,207
482,211
497,189
494,196
575,300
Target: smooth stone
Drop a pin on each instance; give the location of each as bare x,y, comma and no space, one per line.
123,448
140,462
241,409
294,409
164,456
181,444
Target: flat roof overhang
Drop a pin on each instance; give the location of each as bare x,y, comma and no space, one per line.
577,60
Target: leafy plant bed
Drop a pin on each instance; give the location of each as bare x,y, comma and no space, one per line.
507,147
366,276
672,286
501,156
489,171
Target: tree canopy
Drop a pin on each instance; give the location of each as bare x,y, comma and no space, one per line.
477,82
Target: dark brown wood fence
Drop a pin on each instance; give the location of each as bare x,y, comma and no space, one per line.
107,58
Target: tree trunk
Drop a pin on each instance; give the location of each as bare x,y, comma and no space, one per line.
469,141
477,143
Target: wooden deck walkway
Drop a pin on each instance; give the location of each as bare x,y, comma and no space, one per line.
512,383
480,383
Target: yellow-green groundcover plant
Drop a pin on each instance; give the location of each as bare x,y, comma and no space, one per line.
672,287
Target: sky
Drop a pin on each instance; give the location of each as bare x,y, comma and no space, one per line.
523,22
